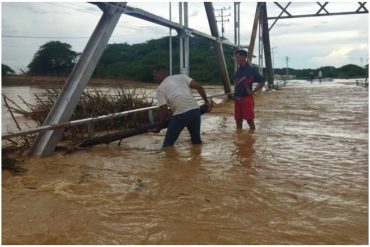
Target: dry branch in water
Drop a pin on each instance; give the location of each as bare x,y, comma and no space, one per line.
92,103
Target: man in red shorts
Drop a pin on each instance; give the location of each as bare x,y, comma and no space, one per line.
245,76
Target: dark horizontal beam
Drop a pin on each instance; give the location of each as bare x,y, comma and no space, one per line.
144,15
147,16
316,15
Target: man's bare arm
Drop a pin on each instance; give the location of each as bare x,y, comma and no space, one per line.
196,85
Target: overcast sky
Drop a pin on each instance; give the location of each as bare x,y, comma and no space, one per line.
308,42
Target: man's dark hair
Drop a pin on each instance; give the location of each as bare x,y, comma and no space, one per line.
161,68
242,53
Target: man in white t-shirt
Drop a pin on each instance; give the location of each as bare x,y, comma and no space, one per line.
175,92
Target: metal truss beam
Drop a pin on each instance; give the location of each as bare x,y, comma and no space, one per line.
184,39
67,101
184,30
147,16
254,32
322,7
361,10
218,46
283,10
266,46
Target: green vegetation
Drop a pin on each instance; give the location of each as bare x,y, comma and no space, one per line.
6,70
344,72
135,62
53,58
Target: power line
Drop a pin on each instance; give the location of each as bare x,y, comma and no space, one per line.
54,37
41,37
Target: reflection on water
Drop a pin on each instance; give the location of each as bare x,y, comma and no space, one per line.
301,178
244,148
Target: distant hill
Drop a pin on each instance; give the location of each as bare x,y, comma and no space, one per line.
345,72
135,62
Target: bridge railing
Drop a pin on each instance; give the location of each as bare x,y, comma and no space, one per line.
86,121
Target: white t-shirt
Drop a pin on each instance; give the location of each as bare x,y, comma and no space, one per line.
175,92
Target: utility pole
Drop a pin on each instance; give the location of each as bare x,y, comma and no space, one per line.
273,58
287,66
236,30
222,15
170,41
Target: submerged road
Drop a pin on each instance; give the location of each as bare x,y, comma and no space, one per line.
301,178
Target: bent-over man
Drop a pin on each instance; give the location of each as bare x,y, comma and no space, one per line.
175,92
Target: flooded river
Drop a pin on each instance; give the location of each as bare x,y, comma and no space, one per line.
301,178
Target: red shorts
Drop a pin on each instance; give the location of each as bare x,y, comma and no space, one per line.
244,108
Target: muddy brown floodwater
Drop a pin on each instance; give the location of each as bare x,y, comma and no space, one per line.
301,178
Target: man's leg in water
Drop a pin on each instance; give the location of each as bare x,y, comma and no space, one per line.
251,124
175,126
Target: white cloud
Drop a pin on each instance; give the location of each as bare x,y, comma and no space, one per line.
334,58
309,42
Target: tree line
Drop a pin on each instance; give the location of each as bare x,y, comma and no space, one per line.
135,62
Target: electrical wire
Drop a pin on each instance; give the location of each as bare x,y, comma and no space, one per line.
41,37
